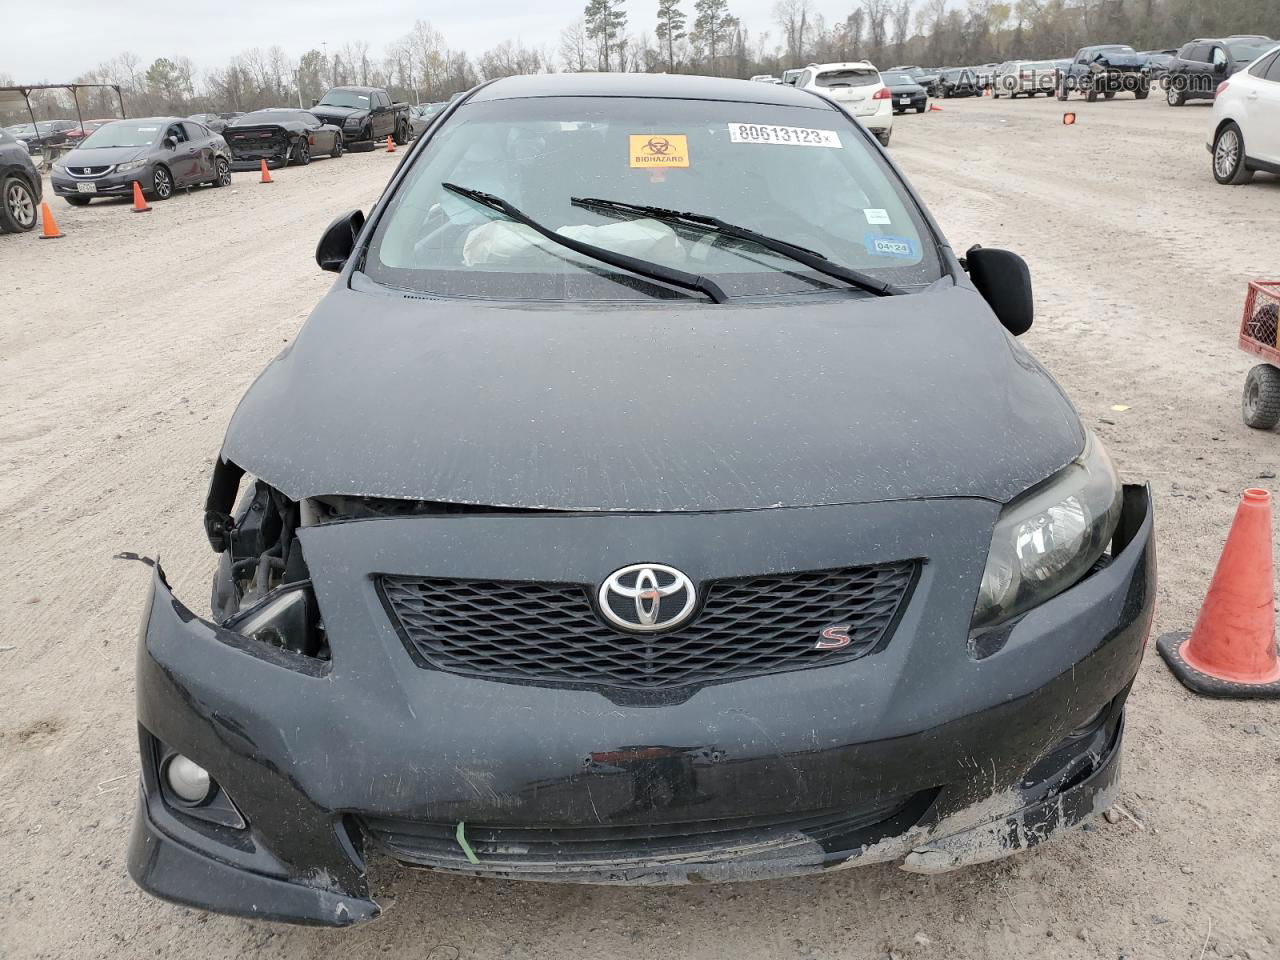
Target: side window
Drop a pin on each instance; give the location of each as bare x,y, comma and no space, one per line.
382,99
1186,51
1273,71
1219,56
195,131
1200,53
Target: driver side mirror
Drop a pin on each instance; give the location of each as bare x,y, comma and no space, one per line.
339,240
171,142
1004,280
1220,67
315,102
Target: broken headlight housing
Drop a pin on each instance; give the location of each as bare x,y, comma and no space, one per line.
1048,539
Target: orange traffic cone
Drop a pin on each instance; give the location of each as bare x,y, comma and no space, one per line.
1068,119
139,201
1231,651
934,108
266,174
391,147
48,226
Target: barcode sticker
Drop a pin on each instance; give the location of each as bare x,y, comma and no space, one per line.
785,136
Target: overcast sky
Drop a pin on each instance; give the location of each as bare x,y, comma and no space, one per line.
56,39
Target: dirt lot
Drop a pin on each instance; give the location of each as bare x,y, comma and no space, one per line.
124,347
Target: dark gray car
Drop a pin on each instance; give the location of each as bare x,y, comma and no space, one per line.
20,186
160,153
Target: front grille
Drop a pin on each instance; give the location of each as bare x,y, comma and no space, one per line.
88,173
550,632
566,849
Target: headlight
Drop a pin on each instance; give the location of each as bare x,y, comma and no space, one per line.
288,619
131,165
59,166
353,121
1048,539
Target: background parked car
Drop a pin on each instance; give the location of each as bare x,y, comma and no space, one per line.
959,82
159,153
78,133
1158,62
1016,78
46,132
857,87
211,120
792,75
20,186
365,115
420,117
1104,70
921,75
280,135
907,94
1198,68
1246,122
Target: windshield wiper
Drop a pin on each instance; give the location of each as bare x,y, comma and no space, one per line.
810,258
645,268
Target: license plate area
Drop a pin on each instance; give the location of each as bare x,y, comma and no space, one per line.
87,187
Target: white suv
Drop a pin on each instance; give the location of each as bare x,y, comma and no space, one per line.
1245,135
857,87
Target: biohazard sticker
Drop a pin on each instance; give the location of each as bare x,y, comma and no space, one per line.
659,150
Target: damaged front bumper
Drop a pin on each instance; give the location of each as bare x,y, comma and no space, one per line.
931,752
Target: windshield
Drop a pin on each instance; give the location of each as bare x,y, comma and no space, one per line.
345,98
1250,51
123,133
799,174
1117,49
896,79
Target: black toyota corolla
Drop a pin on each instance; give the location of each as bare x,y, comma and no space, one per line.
654,498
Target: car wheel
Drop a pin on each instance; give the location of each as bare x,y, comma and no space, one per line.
1063,92
77,201
17,205
1228,157
162,181
1091,95
301,152
1260,405
1142,91
221,173
1175,97
1110,94
337,147
883,136
402,134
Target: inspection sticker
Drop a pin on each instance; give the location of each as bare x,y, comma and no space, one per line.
787,136
882,246
659,150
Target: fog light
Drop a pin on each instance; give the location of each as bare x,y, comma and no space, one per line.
187,779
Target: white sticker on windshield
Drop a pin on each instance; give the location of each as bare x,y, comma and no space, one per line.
877,216
786,136
148,129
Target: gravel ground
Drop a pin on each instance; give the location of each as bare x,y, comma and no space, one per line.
124,347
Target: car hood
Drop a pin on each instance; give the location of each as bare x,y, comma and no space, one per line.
341,113
101,156
654,408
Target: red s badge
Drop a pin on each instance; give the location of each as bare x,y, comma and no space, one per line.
834,637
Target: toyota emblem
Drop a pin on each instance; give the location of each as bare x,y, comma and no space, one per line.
646,597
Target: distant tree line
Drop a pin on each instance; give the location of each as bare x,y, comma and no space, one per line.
666,36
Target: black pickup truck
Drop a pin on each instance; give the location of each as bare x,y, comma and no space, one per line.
366,115
1105,70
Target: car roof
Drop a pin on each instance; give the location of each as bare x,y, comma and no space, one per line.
361,89
657,86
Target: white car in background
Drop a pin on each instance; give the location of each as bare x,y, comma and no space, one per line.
856,86
1245,136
